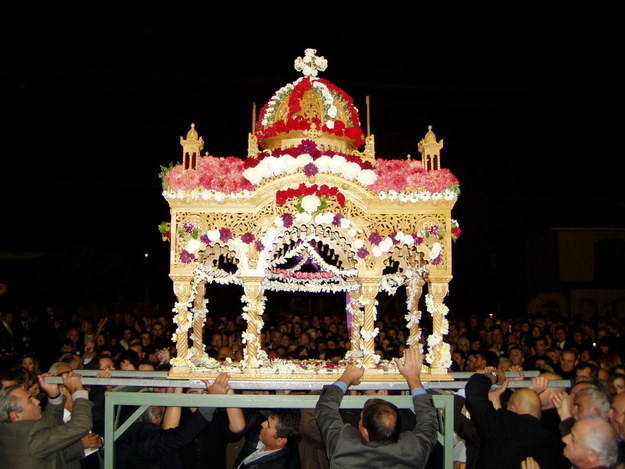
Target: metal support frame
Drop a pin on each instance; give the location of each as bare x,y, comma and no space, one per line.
444,403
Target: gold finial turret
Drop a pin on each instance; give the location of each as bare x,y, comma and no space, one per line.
191,149
430,151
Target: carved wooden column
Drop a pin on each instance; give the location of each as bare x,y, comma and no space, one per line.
439,353
199,316
254,301
414,290
369,292
357,317
182,289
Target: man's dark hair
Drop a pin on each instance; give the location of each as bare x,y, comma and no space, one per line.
571,350
287,425
131,356
382,421
594,369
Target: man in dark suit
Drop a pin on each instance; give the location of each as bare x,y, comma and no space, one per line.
378,441
31,439
509,436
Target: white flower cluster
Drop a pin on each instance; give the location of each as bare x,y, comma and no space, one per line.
193,245
276,98
423,196
310,203
328,102
435,307
311,285
368,335
271,166
436,250
310,64
204,194
413,319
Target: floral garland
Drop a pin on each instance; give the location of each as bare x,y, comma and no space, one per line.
414,197
253,307
311,161
204,194
336,285
311,199
436,337
305,245
288,273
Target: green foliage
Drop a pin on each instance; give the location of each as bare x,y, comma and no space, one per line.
163,173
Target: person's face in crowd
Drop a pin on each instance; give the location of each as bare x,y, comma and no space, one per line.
540,322
285,341
297,330
276,336
225,352
304,339
100,341
616,416
157,329
146,339
536,331
458,359
601,333
127,334
268,434
128,320
525,327
85,326
217,341
488,323
28,363
297,319
583,407
585,356
619,384
463,344
453,331
331,345
73,335
568,362
578,337
582,374
473,322
476,344
540,346
512,339
560,335
575,450
516,357
31,410
497,336
126,365
106,363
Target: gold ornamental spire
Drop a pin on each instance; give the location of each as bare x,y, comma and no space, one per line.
191,148
430,151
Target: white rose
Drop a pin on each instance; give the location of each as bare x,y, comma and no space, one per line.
359,243
345,223
332,111
279,222
352,232
310,203
330,124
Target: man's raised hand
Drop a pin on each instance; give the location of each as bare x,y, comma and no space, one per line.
220,385
352,375
411,367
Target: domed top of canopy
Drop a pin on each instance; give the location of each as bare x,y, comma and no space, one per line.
310,108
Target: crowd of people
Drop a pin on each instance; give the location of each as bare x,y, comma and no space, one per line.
563,426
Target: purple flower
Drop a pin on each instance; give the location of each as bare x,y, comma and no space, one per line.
186,257
247,238
362,253
436,261
418,239
434,230
225,234
204,239
287,220
393,234
188,227
337,219
375,238
307,146
259,245
310,169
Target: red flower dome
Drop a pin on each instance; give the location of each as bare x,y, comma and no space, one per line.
310,104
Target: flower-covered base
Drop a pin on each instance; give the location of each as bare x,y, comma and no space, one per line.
297,371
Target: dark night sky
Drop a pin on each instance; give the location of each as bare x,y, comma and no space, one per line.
88,113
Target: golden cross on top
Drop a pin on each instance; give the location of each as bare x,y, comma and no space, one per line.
310,64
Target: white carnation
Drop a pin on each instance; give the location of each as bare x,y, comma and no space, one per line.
279,222
213,235
330,124
346,223
193,246
366,177
332,111
303,217
311,203
436,250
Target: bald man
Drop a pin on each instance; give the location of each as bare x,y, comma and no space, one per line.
616,417
508,436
